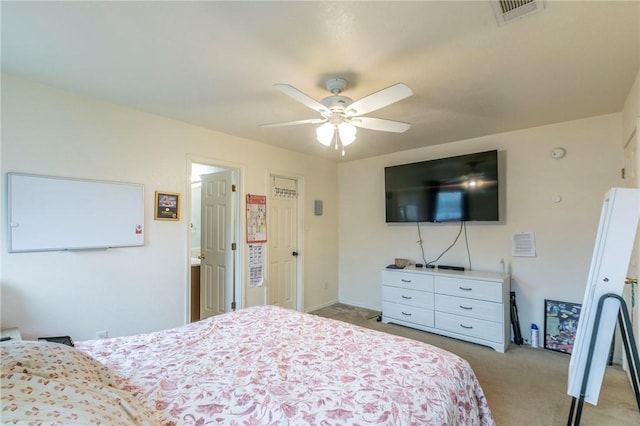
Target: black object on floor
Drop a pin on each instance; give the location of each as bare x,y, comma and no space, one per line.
515,322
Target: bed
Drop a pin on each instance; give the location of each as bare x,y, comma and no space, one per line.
262,365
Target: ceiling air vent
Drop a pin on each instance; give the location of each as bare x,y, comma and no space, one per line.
507,10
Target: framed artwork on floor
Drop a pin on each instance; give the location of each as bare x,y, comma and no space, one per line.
560,325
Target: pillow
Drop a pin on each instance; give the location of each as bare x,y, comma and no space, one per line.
53,383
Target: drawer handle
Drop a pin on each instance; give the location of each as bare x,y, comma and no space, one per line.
468,327
407,297
406,314
468,308
405,281
465,288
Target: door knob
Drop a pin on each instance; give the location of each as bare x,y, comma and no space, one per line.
201,257
295,253
631,280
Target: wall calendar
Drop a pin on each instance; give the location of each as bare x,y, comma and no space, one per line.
256,218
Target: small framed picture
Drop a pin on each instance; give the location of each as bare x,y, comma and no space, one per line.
167,206
560,325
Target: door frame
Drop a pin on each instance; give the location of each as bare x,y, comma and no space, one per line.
633,308
300,231
240,231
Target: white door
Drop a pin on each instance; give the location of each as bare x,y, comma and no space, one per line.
630,293
282,241
218,204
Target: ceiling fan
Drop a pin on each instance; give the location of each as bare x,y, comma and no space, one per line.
341,115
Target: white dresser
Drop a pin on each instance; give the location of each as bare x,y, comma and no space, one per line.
467,305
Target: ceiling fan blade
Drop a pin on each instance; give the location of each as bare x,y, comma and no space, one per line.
380,124
293,123
301,97
379,99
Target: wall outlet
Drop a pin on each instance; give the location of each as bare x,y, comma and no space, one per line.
103,334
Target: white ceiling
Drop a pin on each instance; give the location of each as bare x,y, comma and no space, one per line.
213,64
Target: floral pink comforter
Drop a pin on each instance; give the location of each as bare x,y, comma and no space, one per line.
271,366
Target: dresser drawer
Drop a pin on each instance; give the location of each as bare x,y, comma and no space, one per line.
467,305
480,329
412,314
474,289
404,296
472,308
408,280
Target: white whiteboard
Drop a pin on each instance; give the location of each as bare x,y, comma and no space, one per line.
609,265
55,213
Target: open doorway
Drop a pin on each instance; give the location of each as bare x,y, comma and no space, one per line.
214,232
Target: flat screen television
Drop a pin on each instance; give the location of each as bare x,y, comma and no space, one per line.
453,189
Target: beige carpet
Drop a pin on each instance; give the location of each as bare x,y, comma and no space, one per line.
524,386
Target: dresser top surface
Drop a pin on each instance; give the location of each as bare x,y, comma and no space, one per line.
452,273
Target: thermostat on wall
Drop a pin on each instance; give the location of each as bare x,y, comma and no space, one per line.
558,153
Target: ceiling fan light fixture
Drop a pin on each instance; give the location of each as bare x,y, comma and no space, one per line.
347,133
341,115
325,133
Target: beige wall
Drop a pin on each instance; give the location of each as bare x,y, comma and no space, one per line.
631,111
46,131
133,290
564,232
